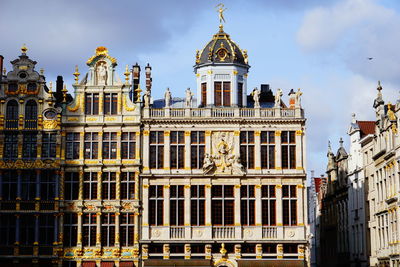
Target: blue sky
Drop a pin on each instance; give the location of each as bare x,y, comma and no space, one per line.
318,46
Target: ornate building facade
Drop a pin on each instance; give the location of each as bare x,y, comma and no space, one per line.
122,180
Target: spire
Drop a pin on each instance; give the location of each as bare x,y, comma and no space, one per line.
329,147
353,118
341,142
378,100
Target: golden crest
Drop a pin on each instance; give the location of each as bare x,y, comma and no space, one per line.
49,124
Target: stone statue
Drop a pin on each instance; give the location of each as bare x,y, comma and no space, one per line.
208,164
189,96
101,72
256,97
246,57
146,98
167,97
221,10
298,98
237,166
278,98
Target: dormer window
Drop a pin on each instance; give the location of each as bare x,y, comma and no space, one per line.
222,93
31,87
12,87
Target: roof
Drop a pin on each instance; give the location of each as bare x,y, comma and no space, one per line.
366,127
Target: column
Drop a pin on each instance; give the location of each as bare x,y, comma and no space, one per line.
208,142
299,150
99,185
62,144
81,145
119,103
79,238
258,205
55,229
166,150
187,211
98,229
208,204
238,228
300,205
117,214
166,205
279,210
80,193
236,141
146,145
118,185
101,104
257,150
57,189
210,87
37,184
136,229
278,151
62,182
119,133
17,228
187,151
60,226
19,185
234,88
36,229
145,212
137,185
138,146
100,146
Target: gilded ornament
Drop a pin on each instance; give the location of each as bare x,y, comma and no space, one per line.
125,104
50,124
77,104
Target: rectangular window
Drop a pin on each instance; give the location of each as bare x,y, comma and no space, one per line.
71,181
70,229
227,94
72,145
90,185
157,149
28,185
108,185
177,150
9,186
91,103
49,145
223,202
108,230
29,146
268,149
46,229
27,229
288,147
247,205
218,93
128,145
7,229
127,185
10,145
222,94
91,145
156,205
47,185
127,229
109,145
110,103
247,149
268,204
204,94
197,203
177,201
89,230
289,203
240,94
197,148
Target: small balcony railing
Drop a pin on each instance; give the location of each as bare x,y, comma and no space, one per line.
177,232
269,232
11,124
223,232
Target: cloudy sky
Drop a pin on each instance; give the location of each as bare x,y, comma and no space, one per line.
319,46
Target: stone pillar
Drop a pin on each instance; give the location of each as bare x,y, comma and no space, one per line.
19,184
187,251
257,150
166,205
117,214
99,185
119,133
98,229
300,205
118,185
137,185
61,227
166,252
101,104
100,146
145,212
79,238
208,204
238,228
187,208
234,88
187,151
167,143
36,229
279,210
62,182
80,193
55,229
57,189
299,150
207,142
81,145
236,141
258,205
38,172
17,228
136,229
278,151
146,145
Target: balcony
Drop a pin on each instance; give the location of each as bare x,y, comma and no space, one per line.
223,232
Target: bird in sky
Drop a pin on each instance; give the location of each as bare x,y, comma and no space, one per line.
369,58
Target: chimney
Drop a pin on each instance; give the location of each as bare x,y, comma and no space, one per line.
135,83
264,88
1,67
59,87
148,77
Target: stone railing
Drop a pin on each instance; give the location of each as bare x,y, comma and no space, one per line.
269,232
222,112
177,232
223,232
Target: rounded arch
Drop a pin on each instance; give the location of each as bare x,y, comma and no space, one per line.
31,114
12,114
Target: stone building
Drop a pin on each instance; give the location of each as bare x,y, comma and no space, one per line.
223,178
30,158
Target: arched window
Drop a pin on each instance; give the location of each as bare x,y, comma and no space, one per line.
12,115
31,115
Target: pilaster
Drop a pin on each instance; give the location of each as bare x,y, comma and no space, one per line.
257,151
258,204
278,151
208,204
146,147
167,142
187,211
238,228
166,205
187,151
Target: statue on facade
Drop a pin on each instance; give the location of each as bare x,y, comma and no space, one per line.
146,98
298,98
208,164
278,98
101,72
246,57
237,166
256,97
189,96
168,98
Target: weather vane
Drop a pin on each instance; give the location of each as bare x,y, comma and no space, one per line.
221,10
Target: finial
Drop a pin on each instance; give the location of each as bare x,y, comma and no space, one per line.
341,142
50,87
127,73
64,92
4,71
353,118
24,49
221,10
379,88
41,71
138,91
329,147
76,74
223,250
